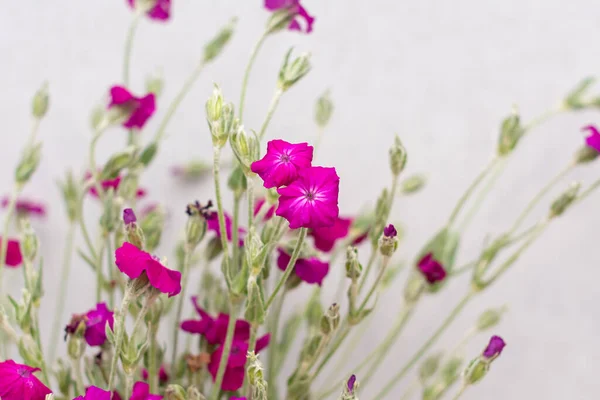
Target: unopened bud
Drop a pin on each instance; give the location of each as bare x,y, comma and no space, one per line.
413,184
135,235
245,148
98,118
152,223
398,157
155,83
388,243
280,20
30,160
41,100
489,318
70,192
221,118
331,319
193,170
323,110
563,202
353,266
451,370
29,242
414,288
350,389
217,44
214,105
255,305
148,154
175,392
510,134
476,371
381,211
194,394
196,226
429,367
576,100
237,182
111,211
129,186
292,72
117,162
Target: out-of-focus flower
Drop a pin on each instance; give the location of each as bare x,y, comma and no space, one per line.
311,201
212,219
141,391
215,329
160,11
259,204
14,258
26,207
280,166
297,10
390,231
163,376
137,110
95,393
114,184
193,170
325,238
310,270
95,324
494,347
17,382
593,138
432,269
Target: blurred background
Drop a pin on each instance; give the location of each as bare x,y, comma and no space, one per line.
441,75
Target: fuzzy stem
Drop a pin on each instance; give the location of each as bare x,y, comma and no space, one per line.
270,112
111,272
152,362
234,230
120,325
370,263
10,209
99,273
128,385
214,395
76,363
272,360
250,195
384,264
221,214
253,55
184,278
129,46
251,347
460,392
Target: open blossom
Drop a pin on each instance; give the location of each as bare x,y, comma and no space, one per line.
14,258
95,324
431,268
325,238
138,109
161,11
114,184
141,391
235,371
212,221
134,262
280,166
26,207
311,201
295,8
593,139
17,382
95,393
260,203
310,270
494,347
215,329
163,376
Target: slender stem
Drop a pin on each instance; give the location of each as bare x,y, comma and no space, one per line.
426,346
253,55
270,112
120,325
384,264
10,209
460,392
234,230
411,388
152,362
111,272
214,394
76,363
84,230
343,332
128,385
99,274
588,191
251,348
38,341
186,268
221,214
274,330
250,195
289,269
187,86
128,47
62,291
365,274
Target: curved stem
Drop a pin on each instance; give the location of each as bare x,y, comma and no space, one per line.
270,112
221,215
128,47
62,291
184,278
253,55
214,394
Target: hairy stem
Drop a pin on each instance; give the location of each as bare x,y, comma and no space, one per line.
214,394
129,46
253,55
119,334
270,112
184,278
221,215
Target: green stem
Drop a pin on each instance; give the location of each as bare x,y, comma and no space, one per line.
221,214
253,55
76,363
270,112
368,268
251,348
128,47
214,394
272,361
62,291
384,264
38,341
588,191
84,230
152,362
460,392
234,231
112,274
99,274
184,278
289,269
128,385
250,195
120,325
426,346
10,209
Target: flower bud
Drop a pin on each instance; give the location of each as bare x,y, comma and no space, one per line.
412,184
585,154
246,148
353,266
237,182
280,20
214,105
195,228
429,367
30,352
129,186
193,170
30,160
331,319
63,376
255,306
388,243
414,288
576,100
398,157
70,192
29,241
350,388
98,118
510,134
152,224
221,118
111,211
194,394
148,154
323,110
381,211
292,72
563,202
476,371
175,392
451,370
213,248
41,100
217,44
135,235
155,83
489,318
117,162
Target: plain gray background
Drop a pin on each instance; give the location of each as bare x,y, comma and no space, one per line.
440,74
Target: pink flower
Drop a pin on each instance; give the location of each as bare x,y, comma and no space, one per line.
234,372
114,184
494,347
163,376
325,238
95,324
280,166
431,268
390,231
350,384
134,262
212,220
26,207
311,201
593,139
139,109
94,393
259,204
160,12
215,329
17,382
14,258
310,270
141,391
295,8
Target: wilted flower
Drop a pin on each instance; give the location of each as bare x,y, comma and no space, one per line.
259,204
17,382
215,329
494,347
212,219
137,109
160,11
311,201
163,376
280,166
136,263
310,270
95,324
325,238
26,207
14,258
593,139
432,269
141,391
297,10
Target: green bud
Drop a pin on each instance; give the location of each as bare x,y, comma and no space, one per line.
451,370
30,160
193,170
246,148
41,100
213,248
292,72
221,118
217,44
175,392
489,318
510,134
117,162
148,154
381,212
29,241
476,371
129,186
214,105
314,311
414,288
135,235
63,376
76,345
256,378
255,306
398,157
98,118
412,184
331,319
30,352
155,83
560,205
196,224
353,266
111,214
429,367
70,192
585,155
194,394
152,224
323,110
388,245
237,182
575,100
280,20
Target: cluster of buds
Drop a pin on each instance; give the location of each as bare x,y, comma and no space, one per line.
176,392
221,118
293,70
246,148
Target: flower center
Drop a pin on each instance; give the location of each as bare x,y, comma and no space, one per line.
310,196
284,158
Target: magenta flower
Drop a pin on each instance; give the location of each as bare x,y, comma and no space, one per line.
141,391
237,398
325,238
212,221
95,324
390,231
17,382
160,12
309,270
134,262
139,109
351,383
163,376
431,268
129,216
280,166
26,207
14,258
234,372
494,347
311,201
295,8
259,204
114,184
94,393
593,139
215,329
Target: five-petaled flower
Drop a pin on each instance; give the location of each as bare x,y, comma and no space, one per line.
17,382
326,237
311,201
161,11
282,163
136,263
137,109
297,10
14,258
593,139
215,329
26,207
212,221
95,322
309,270
432,269
494,347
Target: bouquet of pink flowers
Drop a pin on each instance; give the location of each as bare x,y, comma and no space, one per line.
284,229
